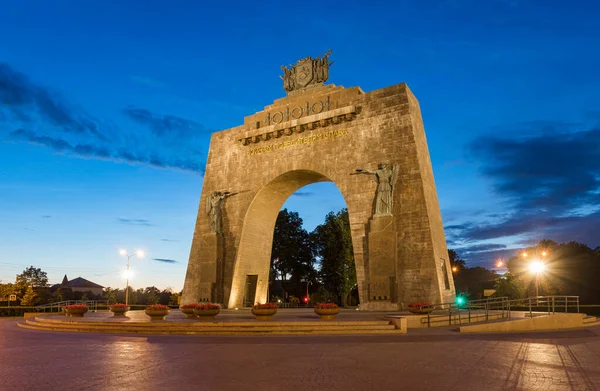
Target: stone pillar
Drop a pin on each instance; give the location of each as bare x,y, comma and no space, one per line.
381,261
211,256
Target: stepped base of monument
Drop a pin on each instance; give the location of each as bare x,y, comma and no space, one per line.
379,306
302,323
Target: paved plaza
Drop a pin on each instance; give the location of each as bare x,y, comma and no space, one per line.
424,359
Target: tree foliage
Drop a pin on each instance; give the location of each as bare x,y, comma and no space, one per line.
333,243
509,286
30,298
571,269
292,256
31,277
455,261
470,281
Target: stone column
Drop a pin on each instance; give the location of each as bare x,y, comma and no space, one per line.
382,254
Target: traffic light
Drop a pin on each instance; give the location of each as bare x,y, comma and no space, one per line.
460,300
305,299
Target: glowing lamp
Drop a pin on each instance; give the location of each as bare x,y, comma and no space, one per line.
537,267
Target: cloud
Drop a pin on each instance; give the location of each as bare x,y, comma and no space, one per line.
165,260
23,101
99,151
46,217
555,171
164,125
550,176
32,113
169,240
134,221
477,248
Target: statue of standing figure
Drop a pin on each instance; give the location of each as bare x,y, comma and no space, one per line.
386,179
214,209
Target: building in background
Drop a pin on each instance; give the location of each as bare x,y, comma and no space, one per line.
79,284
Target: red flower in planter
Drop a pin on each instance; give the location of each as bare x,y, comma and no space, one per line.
419,304
326,306
157,307
119,305
76,307
266,306
207,306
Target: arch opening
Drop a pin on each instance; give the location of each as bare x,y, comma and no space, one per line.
250,280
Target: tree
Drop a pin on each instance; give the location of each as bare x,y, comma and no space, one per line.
509,286
31,278
333,243
6,290
455,261
30,298
473,280
292,255
151,295
571,269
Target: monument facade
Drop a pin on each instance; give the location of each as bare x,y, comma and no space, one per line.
371,145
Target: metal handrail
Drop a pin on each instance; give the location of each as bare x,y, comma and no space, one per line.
502,305
56,307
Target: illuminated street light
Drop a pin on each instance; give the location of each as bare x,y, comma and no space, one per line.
536,267
499,263
454,269
128,273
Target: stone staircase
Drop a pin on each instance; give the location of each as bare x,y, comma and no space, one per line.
212,328
591,321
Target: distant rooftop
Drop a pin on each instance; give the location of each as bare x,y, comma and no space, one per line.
78,282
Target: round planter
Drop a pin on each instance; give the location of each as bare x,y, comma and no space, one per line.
157,314
76,312
206,315
189,312
327,313
119,311
264,314
420,310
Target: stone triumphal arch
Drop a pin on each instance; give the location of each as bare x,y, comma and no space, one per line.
371,145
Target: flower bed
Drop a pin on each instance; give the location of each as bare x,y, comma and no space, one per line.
207,311
420,307
76,310
207,307
157,311
158,307
326,306
119,309
188,310
327,311
264,311
76,306
266,306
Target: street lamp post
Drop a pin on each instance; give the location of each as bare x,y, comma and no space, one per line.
139,254
307,284
537,267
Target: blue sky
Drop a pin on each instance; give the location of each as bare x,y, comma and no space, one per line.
106,110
